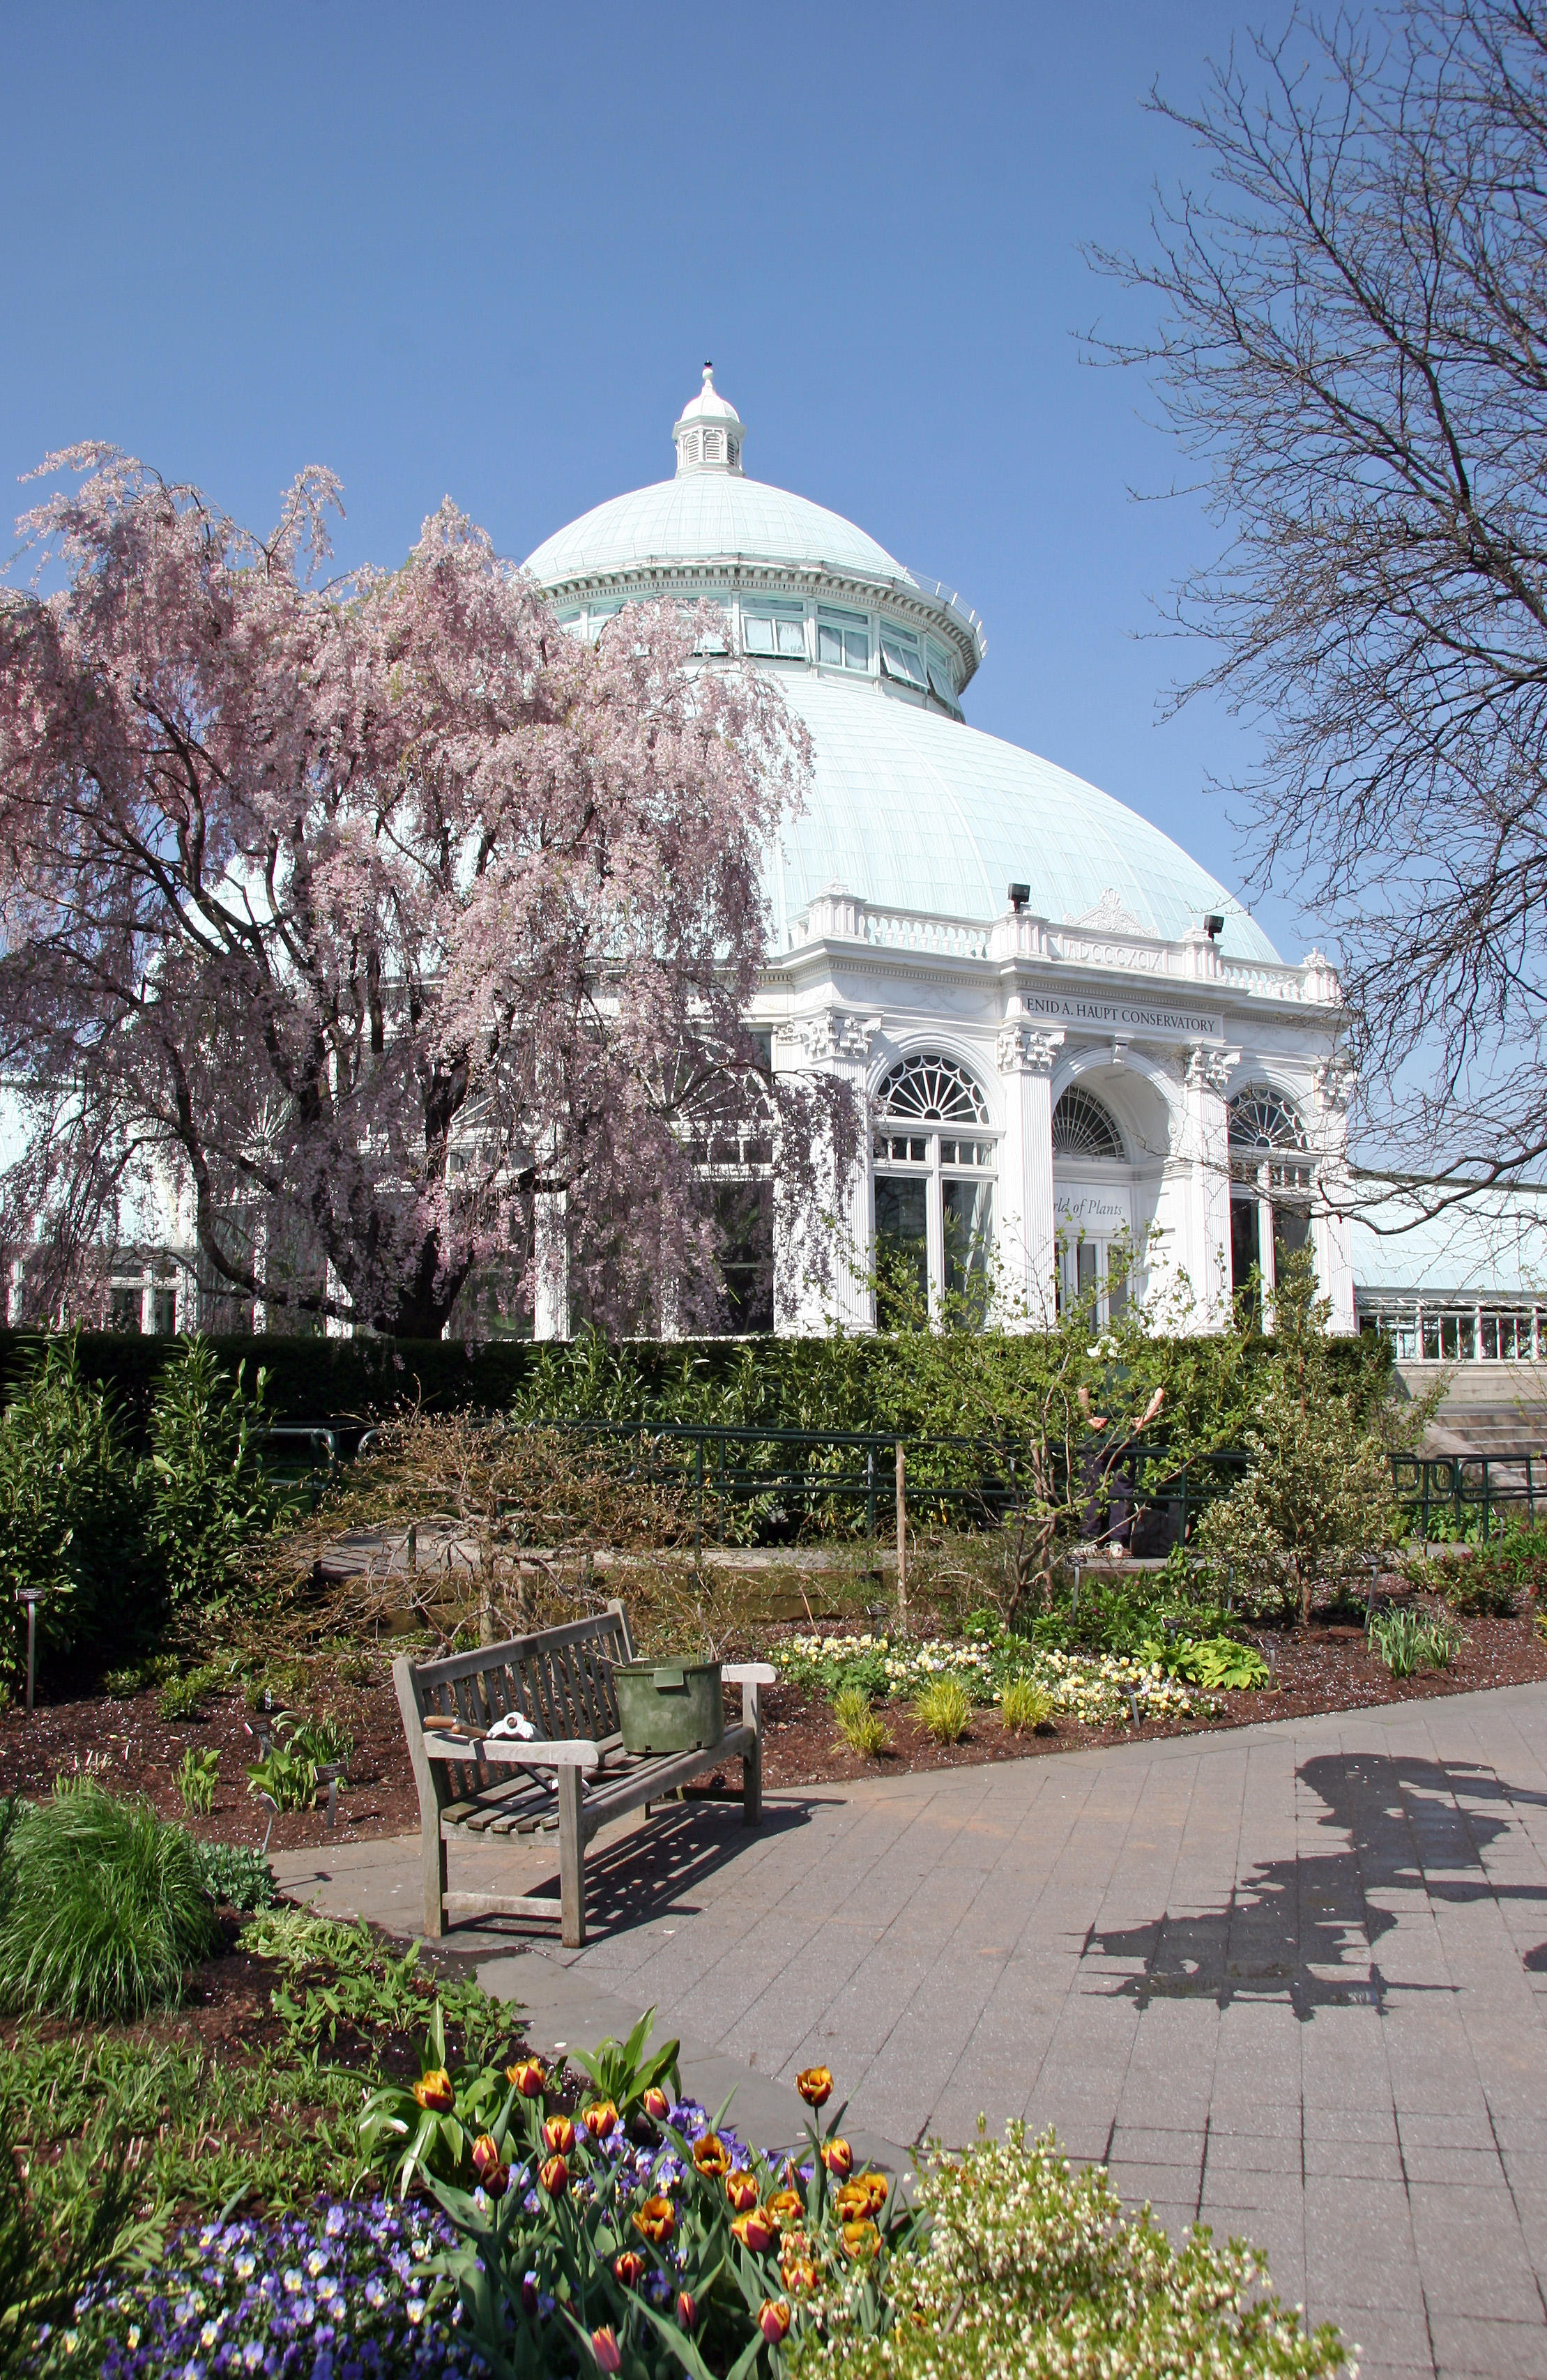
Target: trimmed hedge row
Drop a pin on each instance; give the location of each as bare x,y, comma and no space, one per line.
855,1383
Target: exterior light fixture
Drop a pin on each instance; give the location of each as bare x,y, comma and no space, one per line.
1214,927
1019,896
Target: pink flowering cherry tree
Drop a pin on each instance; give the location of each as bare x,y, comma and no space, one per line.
411,939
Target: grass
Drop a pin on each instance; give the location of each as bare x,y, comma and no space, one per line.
196,1778
859,1723
1024,1704
943,1709
101,1908
1406,1640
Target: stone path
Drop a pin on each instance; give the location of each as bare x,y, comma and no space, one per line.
1292,1980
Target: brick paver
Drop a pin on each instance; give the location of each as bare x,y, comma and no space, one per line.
1292,1980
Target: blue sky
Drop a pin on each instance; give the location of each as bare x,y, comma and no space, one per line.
481,252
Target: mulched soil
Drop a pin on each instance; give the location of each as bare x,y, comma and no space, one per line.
1327,1667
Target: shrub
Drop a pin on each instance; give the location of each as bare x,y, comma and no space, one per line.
197,1775
70,1515
1025,2269
236,1875
210,1493
857,1722
184,1697
1023,1705
943,1709
101,1907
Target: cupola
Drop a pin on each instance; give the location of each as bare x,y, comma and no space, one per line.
708,435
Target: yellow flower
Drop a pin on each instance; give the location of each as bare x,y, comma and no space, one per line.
861,2240
711,2156
433,2091
815,2085
528,2077
655,2220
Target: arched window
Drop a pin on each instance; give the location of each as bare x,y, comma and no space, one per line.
1082,1127
934,1167
1093,1244
1270,1175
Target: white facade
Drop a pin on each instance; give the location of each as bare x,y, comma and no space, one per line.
1072,1041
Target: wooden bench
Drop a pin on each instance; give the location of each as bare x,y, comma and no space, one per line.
571,1780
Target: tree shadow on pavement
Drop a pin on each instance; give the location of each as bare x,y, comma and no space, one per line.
1303,1929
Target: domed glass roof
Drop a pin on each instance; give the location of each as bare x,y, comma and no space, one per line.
710,516
909,809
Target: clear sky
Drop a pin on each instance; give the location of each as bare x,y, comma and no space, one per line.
482,250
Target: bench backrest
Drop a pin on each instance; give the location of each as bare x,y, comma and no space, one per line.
559,1678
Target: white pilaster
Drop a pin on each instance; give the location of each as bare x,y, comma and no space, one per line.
1329,1227
1205,1255
550,1294
1025,1224
834,1042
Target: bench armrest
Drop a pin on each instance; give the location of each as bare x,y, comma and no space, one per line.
575,1753
751,1673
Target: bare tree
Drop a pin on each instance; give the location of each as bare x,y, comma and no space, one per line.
1352,351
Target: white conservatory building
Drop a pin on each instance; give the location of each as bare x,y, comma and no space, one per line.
1076,1046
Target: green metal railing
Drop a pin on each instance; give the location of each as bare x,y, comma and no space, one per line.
728,1465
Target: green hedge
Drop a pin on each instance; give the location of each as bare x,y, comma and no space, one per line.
857,1383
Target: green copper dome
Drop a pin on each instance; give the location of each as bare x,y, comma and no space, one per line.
909,807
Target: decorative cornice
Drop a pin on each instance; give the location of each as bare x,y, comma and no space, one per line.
1333,1083
1209,1068
833,1033
1026,1049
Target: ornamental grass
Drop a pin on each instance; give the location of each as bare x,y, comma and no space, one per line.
1024,1704
103,1907
943,1709
857,1722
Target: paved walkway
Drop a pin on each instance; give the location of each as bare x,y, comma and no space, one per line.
1292,1980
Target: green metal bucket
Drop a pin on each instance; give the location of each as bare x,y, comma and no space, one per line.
669,1705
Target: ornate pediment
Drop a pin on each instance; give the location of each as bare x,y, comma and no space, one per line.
1109,916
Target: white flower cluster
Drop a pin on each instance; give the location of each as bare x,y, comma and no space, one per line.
971,1663
828,1648
1027,2270
1096,1688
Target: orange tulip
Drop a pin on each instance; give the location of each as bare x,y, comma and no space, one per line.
528,2077
866,2194
599,2118
774,2320
787,2206
433,2091
838,2158
656,2105
741,2189
757,2230
815,2085
861,2240
554,2174
798,2273
686,2308
629,2268
558,2137
656,2220
712,2158
485,2152
604,2347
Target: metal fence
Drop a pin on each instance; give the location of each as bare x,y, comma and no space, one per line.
747,1477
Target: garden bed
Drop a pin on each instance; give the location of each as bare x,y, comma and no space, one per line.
1330,1667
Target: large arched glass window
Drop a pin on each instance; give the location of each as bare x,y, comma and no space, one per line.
933,1156
1271,1172
1093,1242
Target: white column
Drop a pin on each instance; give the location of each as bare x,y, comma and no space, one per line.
1025,1231
1206,1137
836,1043
550,1293
1329,1229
